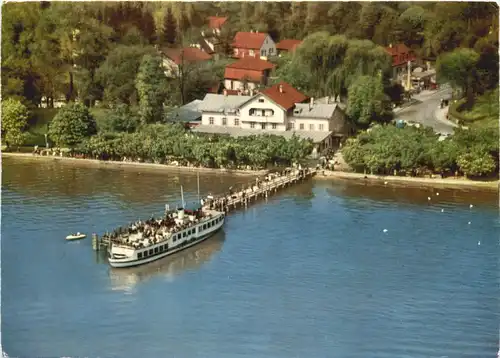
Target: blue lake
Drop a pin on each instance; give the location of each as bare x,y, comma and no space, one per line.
310,273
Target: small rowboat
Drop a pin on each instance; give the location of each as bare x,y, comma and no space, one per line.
77,236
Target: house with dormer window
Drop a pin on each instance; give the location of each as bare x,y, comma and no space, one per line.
279,110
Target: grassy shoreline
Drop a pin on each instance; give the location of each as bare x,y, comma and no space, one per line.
407,181
110,163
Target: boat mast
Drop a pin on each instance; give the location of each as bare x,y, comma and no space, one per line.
182,198
198,186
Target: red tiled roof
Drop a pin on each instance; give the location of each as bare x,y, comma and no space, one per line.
287,98
251,63
249,40
401,54
242,75
288,44
215,22
188,54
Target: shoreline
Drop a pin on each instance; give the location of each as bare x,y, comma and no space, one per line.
111,163
446,182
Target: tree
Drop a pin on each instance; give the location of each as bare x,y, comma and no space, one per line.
410,26
14,120
122,119
72,124
150,84
367,101
169,27
459,69
118,72
476,163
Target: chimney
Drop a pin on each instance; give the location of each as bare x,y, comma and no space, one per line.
251,91
281,88
311,104
328,100
225,92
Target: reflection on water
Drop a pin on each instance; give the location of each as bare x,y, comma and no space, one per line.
169,267
37,177
310,273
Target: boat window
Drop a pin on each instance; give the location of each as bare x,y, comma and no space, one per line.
204,226
175,237
184,234
139,255
160,248
151,251
156,250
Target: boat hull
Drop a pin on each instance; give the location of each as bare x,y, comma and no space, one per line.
130,262
73,238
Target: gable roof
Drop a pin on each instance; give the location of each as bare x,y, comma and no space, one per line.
186,113
251,63
249,40
188,54
216,22
220,103
288,44
318,110
285,98
400,54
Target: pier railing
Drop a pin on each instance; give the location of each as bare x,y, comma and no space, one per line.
261,189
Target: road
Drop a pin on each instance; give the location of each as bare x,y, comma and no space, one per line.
426,111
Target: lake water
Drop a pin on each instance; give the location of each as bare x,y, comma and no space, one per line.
310,273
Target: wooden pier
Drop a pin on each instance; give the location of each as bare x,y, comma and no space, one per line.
262,188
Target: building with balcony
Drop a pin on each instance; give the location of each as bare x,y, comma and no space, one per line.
279,110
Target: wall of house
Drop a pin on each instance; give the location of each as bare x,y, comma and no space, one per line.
338,123
308,124
244,52
268,47
235,84
220,119
263,111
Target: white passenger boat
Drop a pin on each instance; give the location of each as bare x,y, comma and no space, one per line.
187,229
177,231
77,236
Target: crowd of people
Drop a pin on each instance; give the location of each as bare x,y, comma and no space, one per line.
152,229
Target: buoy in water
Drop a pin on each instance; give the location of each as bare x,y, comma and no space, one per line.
479,243
385,230
468,223
442,210
471,206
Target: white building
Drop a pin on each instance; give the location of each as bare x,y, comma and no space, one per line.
277,110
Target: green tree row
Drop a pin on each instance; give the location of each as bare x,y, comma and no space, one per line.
389,150
165,143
